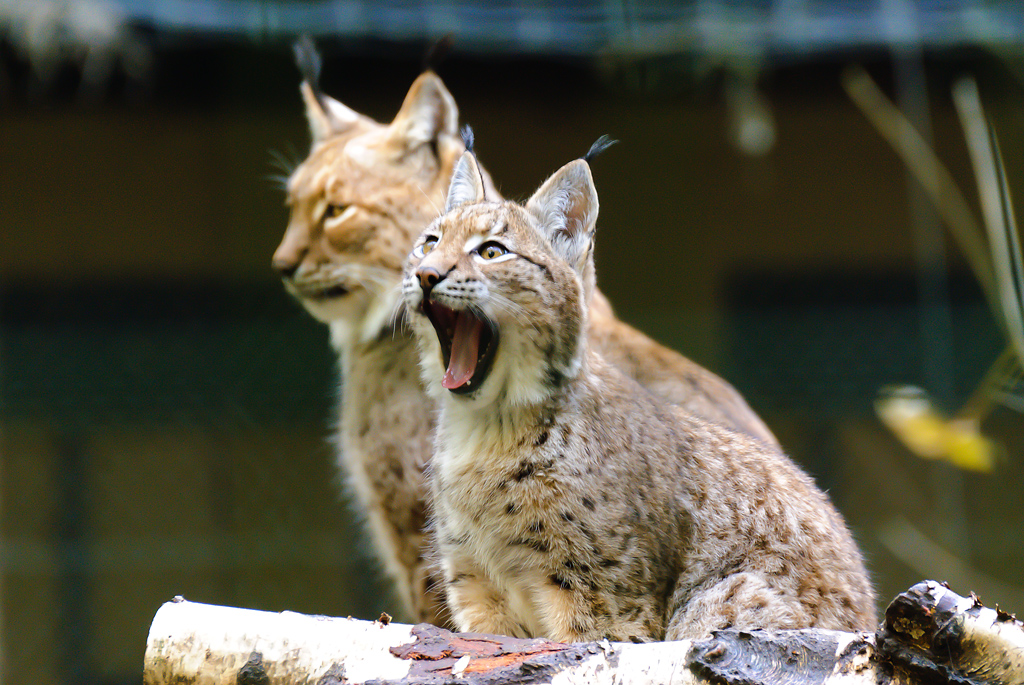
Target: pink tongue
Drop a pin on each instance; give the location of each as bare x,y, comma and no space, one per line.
465,348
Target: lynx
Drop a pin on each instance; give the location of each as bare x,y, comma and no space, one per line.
570,502
357,203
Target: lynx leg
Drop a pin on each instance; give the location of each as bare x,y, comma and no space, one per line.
476,605
564,612
429,605
741,600
578,616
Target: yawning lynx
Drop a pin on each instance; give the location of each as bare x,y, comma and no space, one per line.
571,503
357,202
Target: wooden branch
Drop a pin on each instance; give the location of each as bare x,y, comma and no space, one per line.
930,635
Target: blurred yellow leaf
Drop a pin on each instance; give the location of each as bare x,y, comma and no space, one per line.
910,414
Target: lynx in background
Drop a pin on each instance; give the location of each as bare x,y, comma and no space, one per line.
571,503
357,203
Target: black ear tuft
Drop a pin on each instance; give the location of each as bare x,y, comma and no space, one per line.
467,138
599,146
438,52
307,59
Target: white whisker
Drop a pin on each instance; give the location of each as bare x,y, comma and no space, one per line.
516,311
282,162
280,181
437,210
398,306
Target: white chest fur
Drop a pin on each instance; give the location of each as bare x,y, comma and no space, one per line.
472,493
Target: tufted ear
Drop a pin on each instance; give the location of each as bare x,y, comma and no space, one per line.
326,115
566,209
428,112
467,184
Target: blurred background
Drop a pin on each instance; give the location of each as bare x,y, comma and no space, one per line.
166,409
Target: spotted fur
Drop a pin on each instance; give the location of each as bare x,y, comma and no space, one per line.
357,203
573,504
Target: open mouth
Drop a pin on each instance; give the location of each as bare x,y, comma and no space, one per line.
333,291
468,343
318,293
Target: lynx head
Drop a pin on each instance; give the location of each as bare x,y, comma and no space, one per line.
361,197
497,291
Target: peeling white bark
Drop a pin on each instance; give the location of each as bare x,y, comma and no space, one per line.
930,632
203,643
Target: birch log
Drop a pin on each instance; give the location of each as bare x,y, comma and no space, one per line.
930,635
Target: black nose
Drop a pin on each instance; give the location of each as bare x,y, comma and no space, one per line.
286,268
429,277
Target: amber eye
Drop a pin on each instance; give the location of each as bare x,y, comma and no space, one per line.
427,246
491,251
333,211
